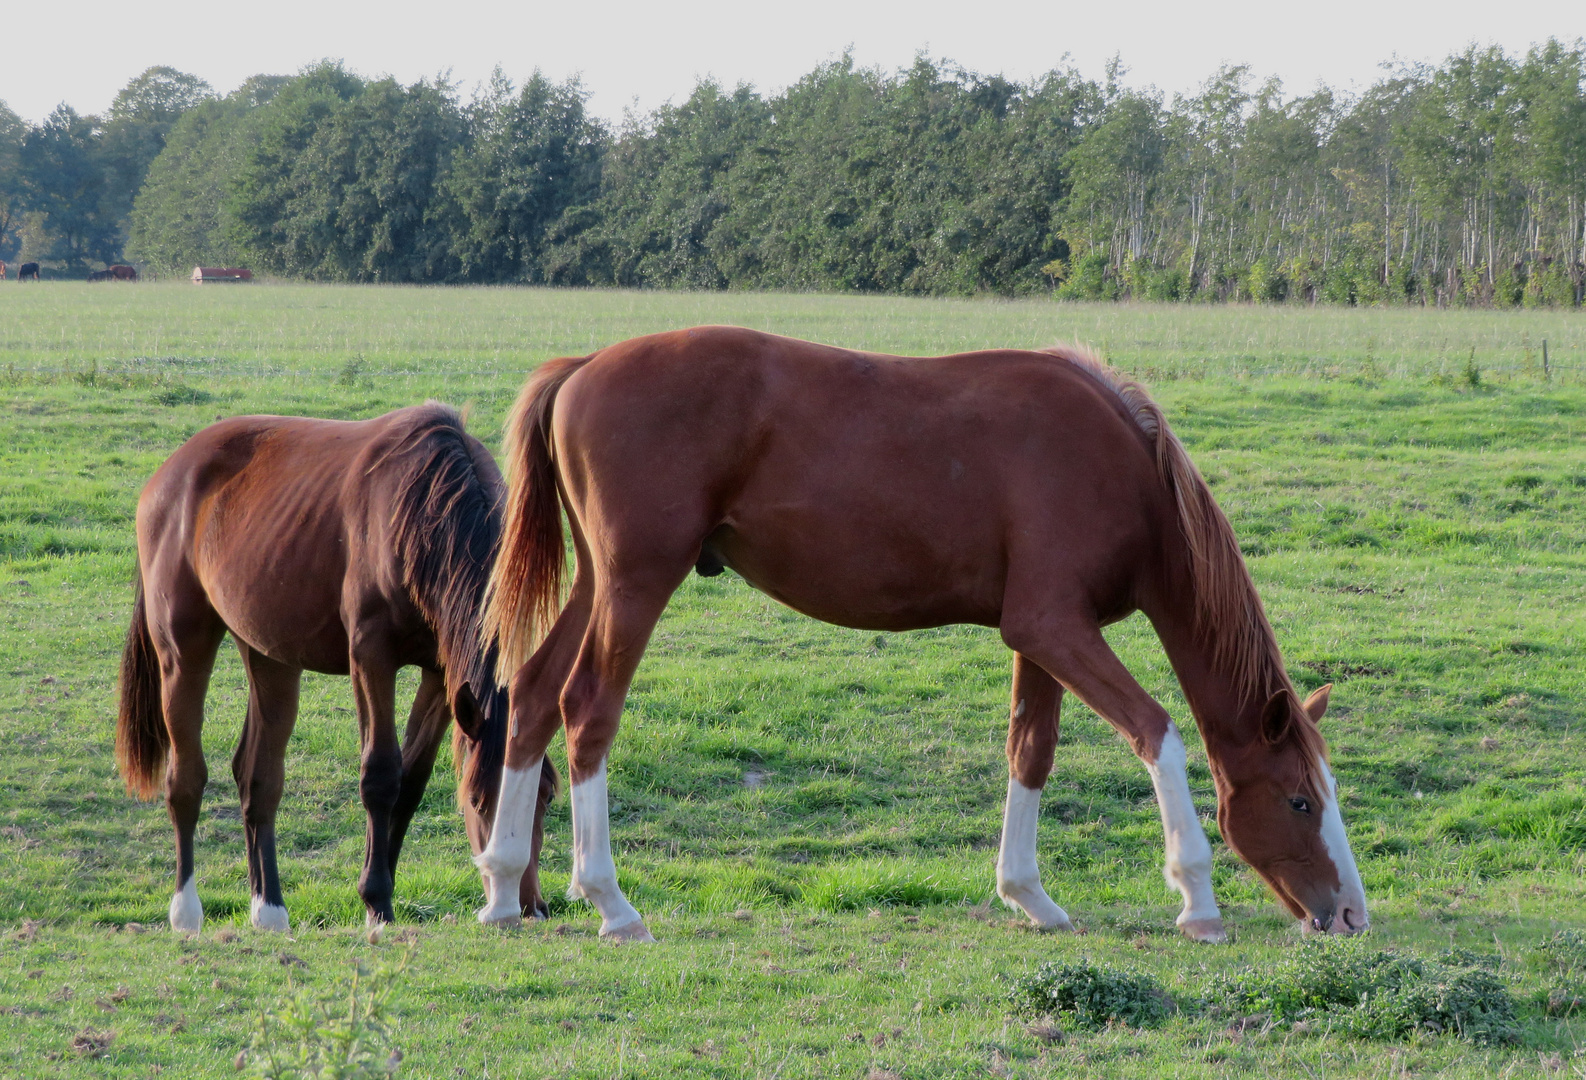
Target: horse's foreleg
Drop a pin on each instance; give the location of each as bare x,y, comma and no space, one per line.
427,723
1032,738
1077,655
380,774
259,767
507,863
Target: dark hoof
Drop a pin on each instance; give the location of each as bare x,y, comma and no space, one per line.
537,910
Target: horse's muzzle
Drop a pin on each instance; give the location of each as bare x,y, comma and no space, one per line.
1344,921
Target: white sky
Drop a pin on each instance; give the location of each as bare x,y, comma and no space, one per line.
83,51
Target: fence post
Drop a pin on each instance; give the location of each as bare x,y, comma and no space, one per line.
1547,375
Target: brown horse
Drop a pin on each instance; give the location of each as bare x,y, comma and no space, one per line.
1035,492
321,545
122,272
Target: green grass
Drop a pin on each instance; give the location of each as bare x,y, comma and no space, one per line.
1419,541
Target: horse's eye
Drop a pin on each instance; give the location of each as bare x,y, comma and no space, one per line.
1302,806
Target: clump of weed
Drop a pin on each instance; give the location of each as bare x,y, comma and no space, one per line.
1472,372
1565,954
181,394
346,1032
1565,951
351,372
1349,986
1096,994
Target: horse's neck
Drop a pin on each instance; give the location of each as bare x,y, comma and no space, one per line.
1227,709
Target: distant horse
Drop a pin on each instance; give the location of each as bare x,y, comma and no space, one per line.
1035,492
2,269
123,273
99,275
322,545
28,270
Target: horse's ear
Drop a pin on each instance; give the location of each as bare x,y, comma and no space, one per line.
1277,717
1316,704
465,710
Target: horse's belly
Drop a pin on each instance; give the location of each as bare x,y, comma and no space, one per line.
880,587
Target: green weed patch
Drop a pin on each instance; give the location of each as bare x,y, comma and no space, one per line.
1095,995
1353,986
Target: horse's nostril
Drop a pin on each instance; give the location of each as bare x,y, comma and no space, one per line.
1354,920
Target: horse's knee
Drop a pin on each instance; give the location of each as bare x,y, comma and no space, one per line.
381,781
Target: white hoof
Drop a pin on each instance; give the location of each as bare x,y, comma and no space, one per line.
1209,931
187,914
1036,905
268,916
635,932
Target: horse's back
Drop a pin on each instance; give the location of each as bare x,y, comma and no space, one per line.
277,519
864,489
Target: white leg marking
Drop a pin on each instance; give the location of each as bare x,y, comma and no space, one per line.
268,916
187,913
594,873
1189,856
1349,911
1018,878
511,844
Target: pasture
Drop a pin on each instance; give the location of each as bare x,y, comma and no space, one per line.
807,816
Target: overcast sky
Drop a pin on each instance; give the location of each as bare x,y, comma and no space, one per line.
82,51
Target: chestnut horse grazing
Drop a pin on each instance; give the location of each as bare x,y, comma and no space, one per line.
321,545
1035,492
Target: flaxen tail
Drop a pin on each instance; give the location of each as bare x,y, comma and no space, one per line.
141,738
525,591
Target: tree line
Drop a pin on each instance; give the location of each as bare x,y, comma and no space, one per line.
1457,183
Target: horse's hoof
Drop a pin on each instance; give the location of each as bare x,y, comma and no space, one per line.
1206,931
635,932
538,911
1056,926
510,920
187,913
269,917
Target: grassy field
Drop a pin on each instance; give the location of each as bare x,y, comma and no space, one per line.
806,815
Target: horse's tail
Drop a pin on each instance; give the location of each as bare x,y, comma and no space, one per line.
141,738
525,589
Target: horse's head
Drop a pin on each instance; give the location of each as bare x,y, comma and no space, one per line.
1278,810
479,748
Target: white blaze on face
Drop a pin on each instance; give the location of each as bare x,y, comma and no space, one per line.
1189,856
268,916
511,845
1018,877
594,872
187,913
1349,912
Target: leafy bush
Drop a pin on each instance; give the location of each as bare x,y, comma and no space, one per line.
1096,994
343,1033
1376,993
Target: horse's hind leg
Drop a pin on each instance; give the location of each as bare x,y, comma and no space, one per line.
624,616
380,777
1032,738
508,863
427,723
186,633
260,770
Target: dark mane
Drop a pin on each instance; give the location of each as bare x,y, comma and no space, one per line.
1228,610
447,520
